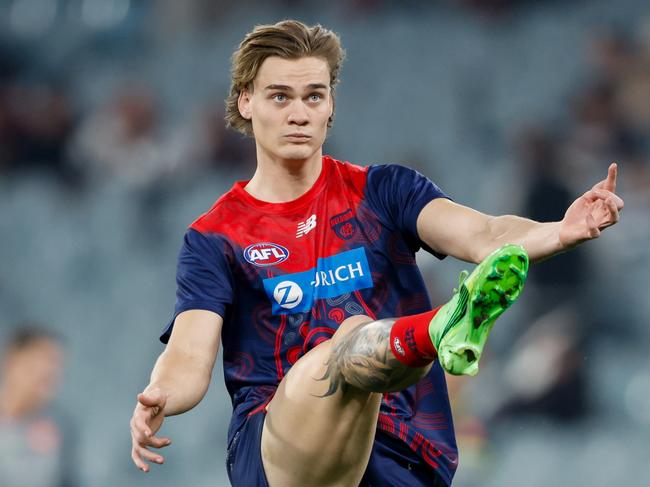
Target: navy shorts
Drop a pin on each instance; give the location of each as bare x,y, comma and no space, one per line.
392,463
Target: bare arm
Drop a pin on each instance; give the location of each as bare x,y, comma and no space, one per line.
467,234
183,371
178,382
470,235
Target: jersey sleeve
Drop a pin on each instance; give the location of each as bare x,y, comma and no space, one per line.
399,194
203,277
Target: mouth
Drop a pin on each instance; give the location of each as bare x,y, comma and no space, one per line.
297,137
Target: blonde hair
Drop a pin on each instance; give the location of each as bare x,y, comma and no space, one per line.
289,39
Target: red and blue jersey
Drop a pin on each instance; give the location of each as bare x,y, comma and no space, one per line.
285,275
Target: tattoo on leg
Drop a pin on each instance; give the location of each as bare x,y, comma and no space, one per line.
363,359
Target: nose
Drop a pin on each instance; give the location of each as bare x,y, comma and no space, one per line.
298,114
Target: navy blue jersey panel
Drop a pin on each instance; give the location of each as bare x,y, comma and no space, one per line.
398,194
203,276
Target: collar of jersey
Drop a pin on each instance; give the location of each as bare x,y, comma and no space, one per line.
287,206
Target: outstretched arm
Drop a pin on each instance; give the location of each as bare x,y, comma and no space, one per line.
467,234
178,382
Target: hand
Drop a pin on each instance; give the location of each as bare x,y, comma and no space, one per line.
594,211
147,419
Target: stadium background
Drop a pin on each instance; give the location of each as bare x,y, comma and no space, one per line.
111,142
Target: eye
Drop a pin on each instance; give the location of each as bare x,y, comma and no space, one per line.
315,97
280,97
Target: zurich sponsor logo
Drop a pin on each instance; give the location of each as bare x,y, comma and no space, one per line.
333,276
287,294
265,253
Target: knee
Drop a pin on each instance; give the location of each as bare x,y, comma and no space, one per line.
348,325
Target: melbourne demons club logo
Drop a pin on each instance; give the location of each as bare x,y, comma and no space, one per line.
344,224
265,254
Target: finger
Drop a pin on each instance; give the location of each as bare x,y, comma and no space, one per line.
592,228
604,194
143,436
612,172
141,464
613,211
158,442
609,183
152,398
140,430
151,456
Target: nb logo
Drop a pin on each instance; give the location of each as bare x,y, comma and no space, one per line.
307,226
287,294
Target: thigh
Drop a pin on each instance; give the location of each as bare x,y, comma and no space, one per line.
309,439
244,458
393,463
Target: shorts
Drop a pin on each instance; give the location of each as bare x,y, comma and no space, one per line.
392,463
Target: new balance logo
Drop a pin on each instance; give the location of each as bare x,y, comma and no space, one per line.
307,226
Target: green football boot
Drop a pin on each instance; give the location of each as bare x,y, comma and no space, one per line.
460,328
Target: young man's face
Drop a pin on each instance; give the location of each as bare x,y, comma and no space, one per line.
289,107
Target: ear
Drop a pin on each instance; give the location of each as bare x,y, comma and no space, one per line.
332,107
244,103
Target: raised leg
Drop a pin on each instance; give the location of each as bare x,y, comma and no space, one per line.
321,422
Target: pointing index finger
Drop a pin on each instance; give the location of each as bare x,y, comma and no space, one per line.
612,172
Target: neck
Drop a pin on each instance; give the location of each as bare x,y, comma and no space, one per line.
280,180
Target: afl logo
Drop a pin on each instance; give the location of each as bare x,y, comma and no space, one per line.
265,253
